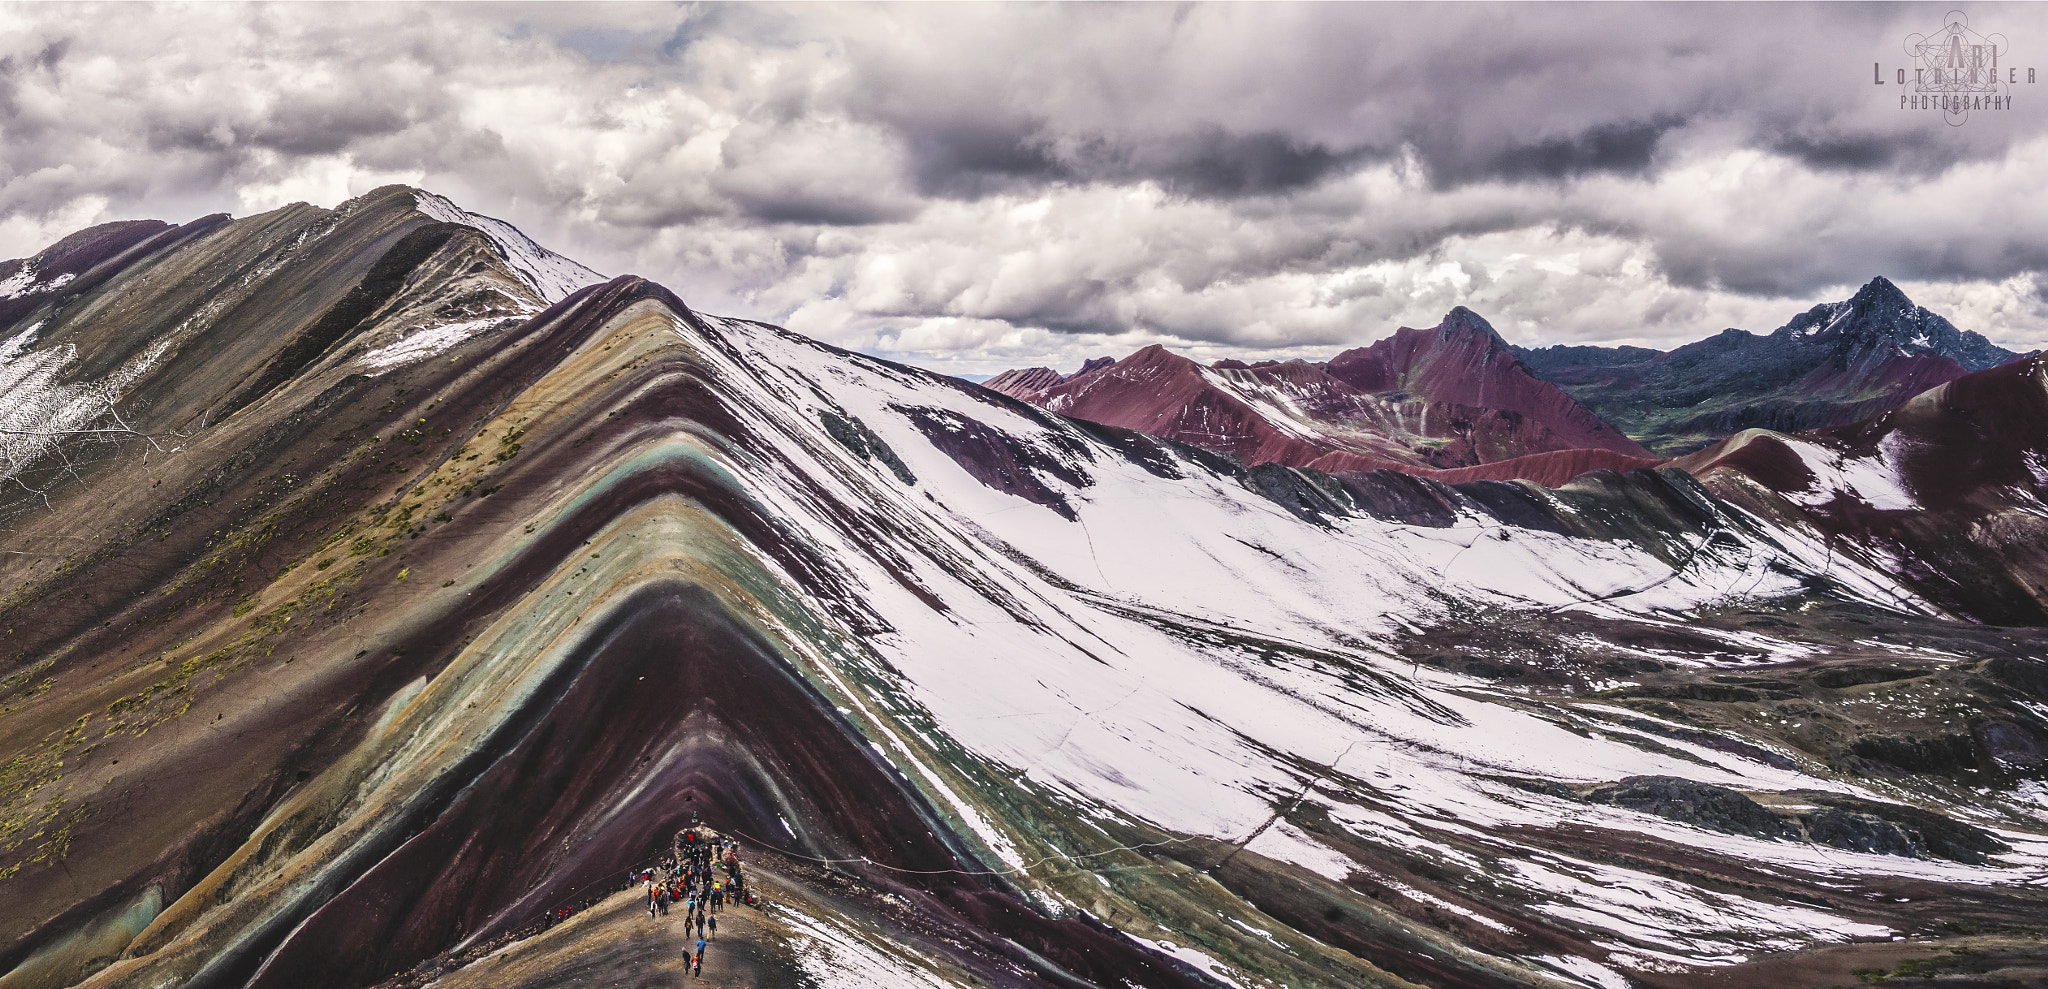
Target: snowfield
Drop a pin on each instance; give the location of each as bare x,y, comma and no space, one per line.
1192,655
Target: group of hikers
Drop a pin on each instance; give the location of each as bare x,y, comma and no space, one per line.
703,874
692,877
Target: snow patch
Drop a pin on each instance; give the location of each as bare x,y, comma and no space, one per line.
1585,970
37,410
550,275
836,957
1210,966
1873,480
426,342
2037,466
1284,842
19,343
24,283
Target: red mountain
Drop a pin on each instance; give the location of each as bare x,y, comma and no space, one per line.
1449,397
1949,489
1027,383
1463,361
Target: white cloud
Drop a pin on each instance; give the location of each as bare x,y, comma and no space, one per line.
975,186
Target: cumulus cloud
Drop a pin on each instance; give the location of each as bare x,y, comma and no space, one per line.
973,187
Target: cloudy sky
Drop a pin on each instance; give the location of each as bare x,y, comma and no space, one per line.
978,187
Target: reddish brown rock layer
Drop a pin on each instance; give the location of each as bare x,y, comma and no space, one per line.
1462,361
1028,383
1548,469
1957,477
1423,401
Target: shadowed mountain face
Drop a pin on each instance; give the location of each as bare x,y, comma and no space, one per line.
1831,365
1952,485
1420,401
377,581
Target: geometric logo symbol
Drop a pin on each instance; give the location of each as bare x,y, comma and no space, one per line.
1955,69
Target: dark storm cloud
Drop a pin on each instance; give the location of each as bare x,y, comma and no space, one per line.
970,160
1214,162
317,124
1623,148
1907,153
823,209
1255,177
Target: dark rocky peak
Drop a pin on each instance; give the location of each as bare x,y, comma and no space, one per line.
1095,364
31,289
80,251
1463,321
1878,316
1880,291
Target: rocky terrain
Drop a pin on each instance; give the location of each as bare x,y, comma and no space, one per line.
1457,403
376,581
1832,365
1420,401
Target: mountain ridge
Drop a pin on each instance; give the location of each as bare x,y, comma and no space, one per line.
1450,396
487,596
1833,364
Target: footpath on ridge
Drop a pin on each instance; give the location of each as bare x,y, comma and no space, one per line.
807,921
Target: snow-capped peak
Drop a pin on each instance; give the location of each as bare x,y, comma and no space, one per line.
551,275
1881,316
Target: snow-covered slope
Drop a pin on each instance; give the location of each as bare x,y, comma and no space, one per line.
1153,641
1059,703
1948,487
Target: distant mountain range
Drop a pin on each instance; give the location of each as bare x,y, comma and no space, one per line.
1458,403
1831,365
1450,397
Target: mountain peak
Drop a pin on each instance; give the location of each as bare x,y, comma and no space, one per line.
1461,318
551,275
1027,383
1879,317
1880,291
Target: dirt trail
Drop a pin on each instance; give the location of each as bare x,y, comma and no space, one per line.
750,952
615,945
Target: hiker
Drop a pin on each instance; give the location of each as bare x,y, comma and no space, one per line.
700,955
700,925
714,928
